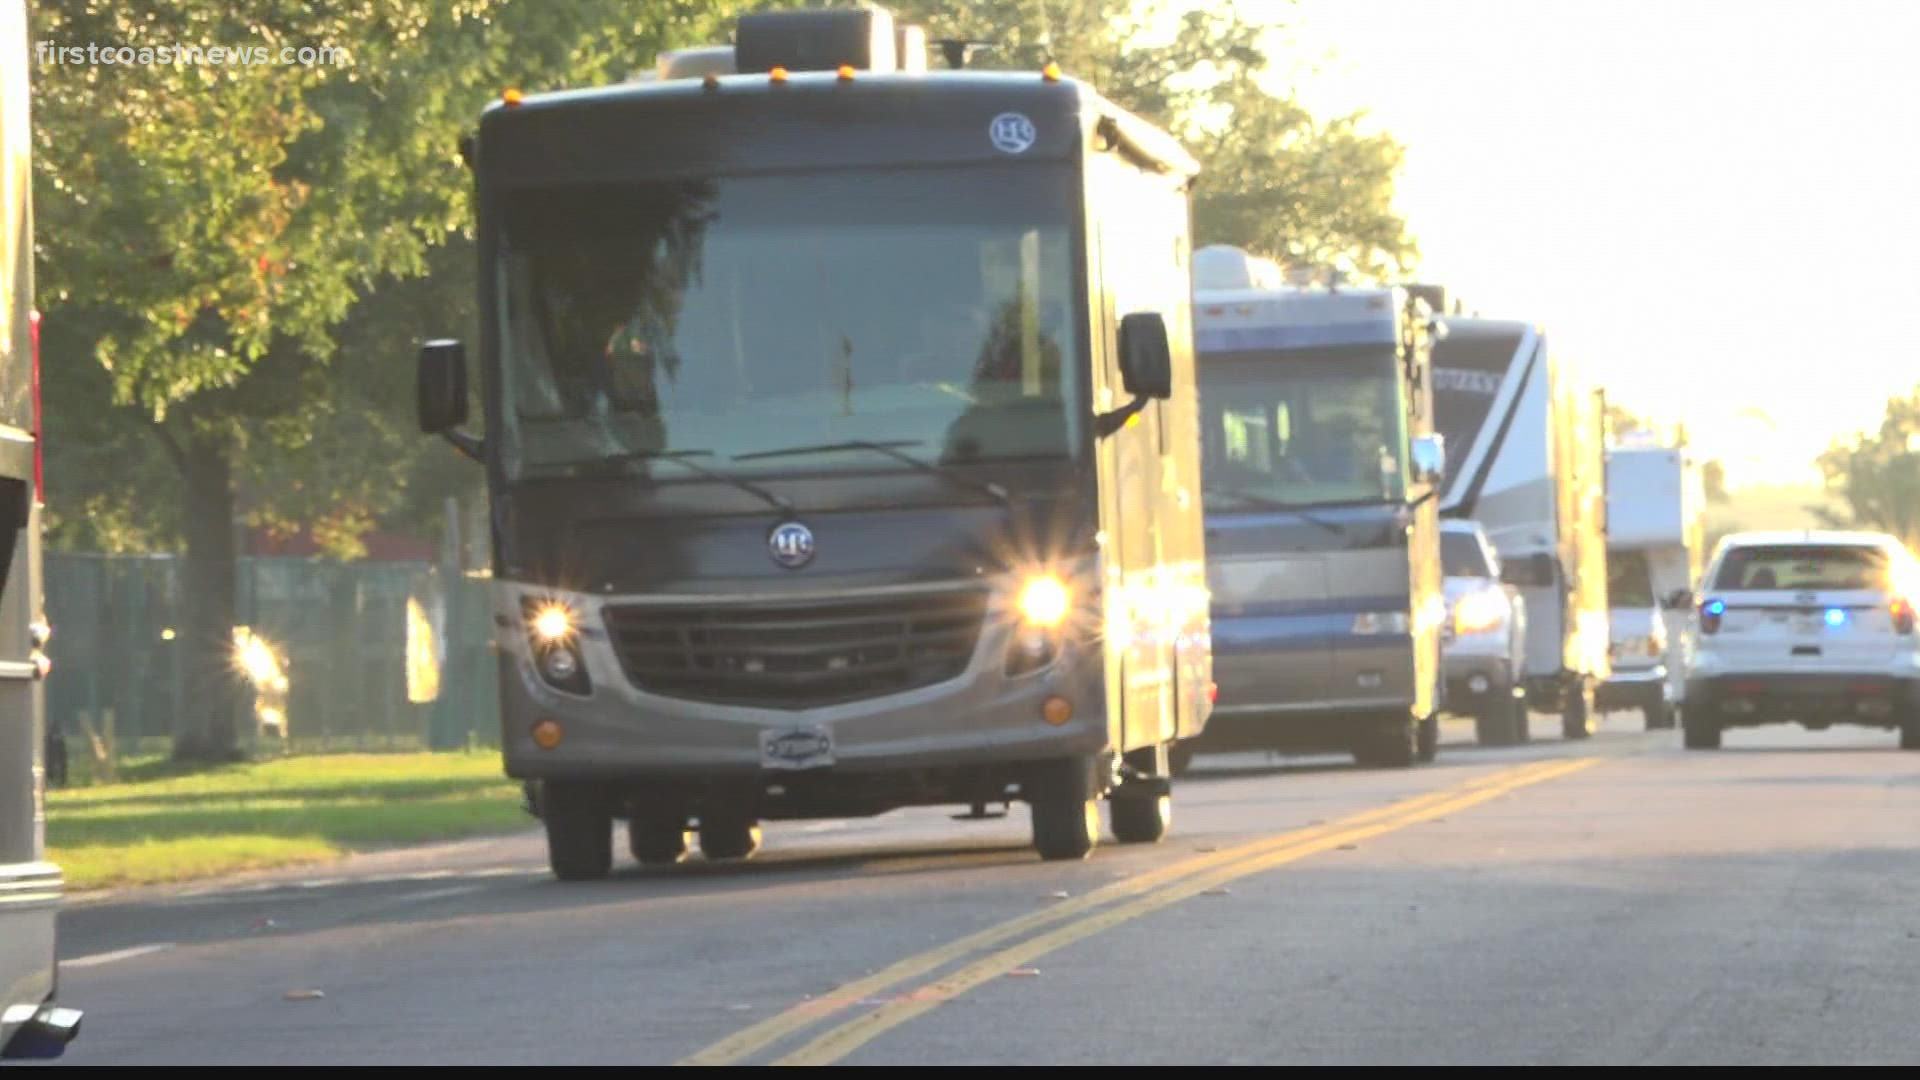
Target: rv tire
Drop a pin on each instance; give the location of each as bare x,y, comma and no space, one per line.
1140,819
1576,712
729,837
656,839
579,830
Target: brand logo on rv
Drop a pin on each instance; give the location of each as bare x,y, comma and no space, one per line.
791,545
1012,133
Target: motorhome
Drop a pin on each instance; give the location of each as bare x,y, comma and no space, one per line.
840,442
1655,531
1526,461
31,1024
1320,472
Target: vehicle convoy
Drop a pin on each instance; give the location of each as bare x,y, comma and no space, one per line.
1813,627
840,440
1323,549
1484,654
1527,463
31,1025
1655,531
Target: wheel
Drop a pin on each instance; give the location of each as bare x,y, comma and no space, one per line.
1659,717
657,840
1427,738
1522,721
1576,714
1501,722
1180,759
1138,819
1395,745
579,831
1910,733
729,837
1699,732
1065,828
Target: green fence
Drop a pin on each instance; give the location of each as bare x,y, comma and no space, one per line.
375,655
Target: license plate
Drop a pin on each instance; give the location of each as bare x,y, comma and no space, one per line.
796,748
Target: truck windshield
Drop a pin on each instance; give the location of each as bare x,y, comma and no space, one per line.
746,315
1303,429
1462,556
1629,581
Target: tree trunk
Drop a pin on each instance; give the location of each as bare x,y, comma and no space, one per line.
214,688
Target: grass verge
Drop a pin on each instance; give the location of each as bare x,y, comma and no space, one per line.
175,826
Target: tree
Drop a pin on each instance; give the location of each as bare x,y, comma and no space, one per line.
1274,179
205,229
1621,422
1876,476
1713,478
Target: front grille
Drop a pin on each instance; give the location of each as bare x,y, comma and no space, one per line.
797,655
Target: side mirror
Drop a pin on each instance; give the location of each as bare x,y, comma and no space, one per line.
442,389
1429,459
1146,358
1542,567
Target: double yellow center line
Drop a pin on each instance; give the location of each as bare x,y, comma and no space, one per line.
1047,930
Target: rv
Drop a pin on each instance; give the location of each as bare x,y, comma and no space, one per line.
1527,463
840,443
1320,470
1655,531
31,1025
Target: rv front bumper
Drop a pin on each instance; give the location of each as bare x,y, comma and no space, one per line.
1280,688
981,716
1634,688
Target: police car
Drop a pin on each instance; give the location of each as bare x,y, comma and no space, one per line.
1808,627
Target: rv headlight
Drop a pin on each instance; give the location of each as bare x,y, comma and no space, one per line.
560,665
551,623
1044,601
1380,622
1478,612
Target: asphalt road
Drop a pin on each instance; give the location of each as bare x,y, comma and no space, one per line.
1611,901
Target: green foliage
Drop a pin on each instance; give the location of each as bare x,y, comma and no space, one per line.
244,256
183,824
1275,180
1875,476
209,235
1713,478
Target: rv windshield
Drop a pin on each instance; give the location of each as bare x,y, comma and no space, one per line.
1629,581
1304,429
740,316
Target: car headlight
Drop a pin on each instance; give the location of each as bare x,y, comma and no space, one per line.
1045,601
1478,612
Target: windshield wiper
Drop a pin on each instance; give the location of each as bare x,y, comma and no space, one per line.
1265,503
892,450
679,457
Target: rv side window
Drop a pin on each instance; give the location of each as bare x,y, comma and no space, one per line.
1537,571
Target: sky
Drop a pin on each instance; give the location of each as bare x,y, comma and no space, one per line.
1712,208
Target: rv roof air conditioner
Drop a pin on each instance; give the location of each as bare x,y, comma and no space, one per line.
824,39
1220,266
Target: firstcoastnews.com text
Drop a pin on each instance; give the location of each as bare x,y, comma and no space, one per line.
48,53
